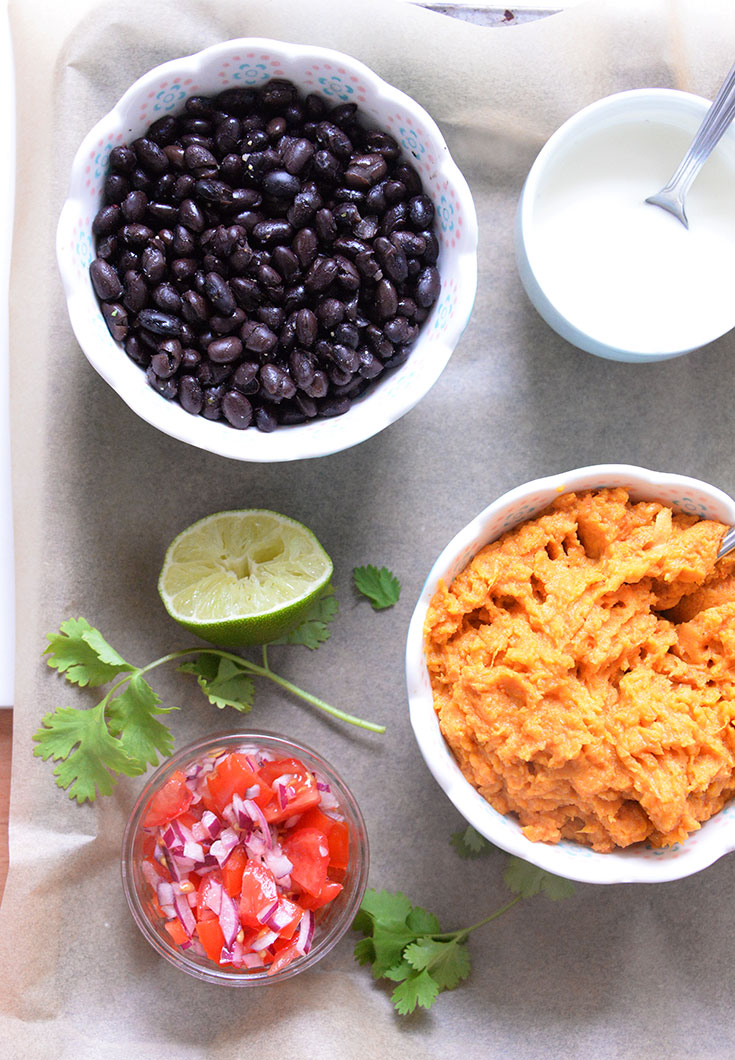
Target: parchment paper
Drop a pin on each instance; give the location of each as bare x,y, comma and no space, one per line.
636,971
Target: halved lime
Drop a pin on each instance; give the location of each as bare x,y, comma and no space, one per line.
243,577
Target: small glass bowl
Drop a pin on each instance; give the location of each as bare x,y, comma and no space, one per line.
332,920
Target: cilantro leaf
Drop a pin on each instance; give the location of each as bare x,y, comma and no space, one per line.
470,844
446,959
527,880
81,653
90,755
223,682
314,628
381,587
132,717
417,990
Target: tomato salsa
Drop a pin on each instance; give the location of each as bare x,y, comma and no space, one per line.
240,852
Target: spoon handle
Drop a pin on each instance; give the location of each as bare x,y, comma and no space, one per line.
719,116
728,543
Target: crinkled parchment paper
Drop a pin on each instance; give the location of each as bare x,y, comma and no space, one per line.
614,972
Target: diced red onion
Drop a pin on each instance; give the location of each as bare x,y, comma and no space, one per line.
150,875
255,845
257,816
278,863
213,897
267,912
179,867
253,960
184,914
306,932
165,893
223,847
279,918
264,940
228,919
285,793
211,822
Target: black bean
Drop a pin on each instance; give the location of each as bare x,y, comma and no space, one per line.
307,327
175,154
306,404
297,153
225,350
345,358
127,259
238,101
191,216
265,419
397,330
334,139
136,235
167,388
272,315
247,292
237,410
348,276
136,351
200,161
369,366
431,254
166,297
367,265
301,368
213,401
392,259
153,264
167,358
281,184
408,176
116,187
226,325
285,261
347,215
325,225
386,299
151,157
107,220
366,228
327,167
383,143
122,159
218,293
107,247
420,211
295,298
306,246
273,231
105,281
212,193
347,334
319,386
261,339
165,212
245,377
394,217
116,318
334,406
320,274
136,291
330,312
365,170
276,382
160,323
395,191
428,286
190,394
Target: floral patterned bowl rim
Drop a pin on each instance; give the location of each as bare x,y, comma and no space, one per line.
338,77
636,864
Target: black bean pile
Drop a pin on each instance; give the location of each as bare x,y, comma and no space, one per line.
264,258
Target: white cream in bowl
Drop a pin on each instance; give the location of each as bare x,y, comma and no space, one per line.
612,274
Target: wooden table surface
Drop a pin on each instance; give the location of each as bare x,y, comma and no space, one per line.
6,739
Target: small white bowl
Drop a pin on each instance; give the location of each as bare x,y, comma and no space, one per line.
339,78
636,864
611,274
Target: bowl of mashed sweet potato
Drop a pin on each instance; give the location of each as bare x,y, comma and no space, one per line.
571,674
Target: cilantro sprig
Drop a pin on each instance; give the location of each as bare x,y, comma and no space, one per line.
124,732
405,944
381,587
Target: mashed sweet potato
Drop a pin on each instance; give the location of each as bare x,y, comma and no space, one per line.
583,671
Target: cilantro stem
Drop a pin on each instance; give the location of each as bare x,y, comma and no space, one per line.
462,933
260,671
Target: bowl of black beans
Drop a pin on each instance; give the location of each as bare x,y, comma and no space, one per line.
267,250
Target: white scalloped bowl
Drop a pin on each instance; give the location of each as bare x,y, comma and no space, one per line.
339,78
636,864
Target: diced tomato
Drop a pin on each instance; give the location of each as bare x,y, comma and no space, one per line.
308,852
211,938
316,818
302,781
259,893
284,958
329,891
176,930
232,871
187,819
207,887
159,869
169,801
234,776
338,841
